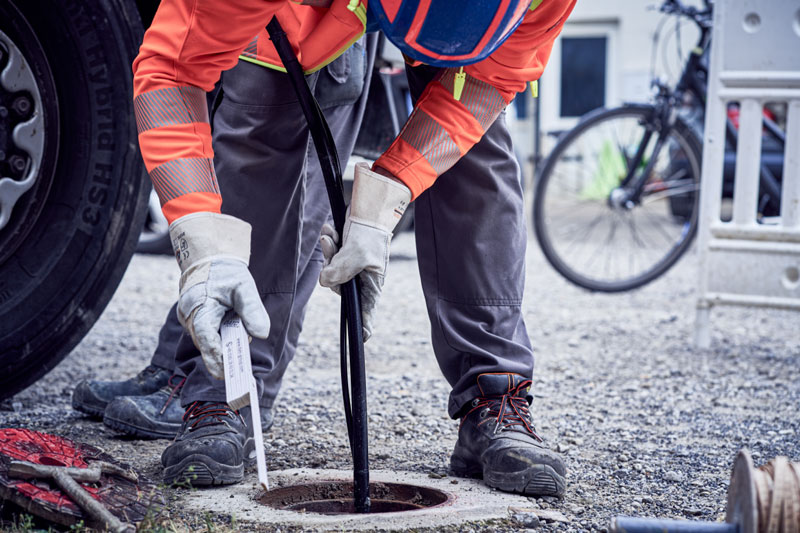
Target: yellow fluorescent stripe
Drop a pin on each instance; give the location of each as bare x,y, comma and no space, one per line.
458,83
262,63
535,88
360,12
316,68
535,4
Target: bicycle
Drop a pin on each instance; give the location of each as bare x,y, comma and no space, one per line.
616,203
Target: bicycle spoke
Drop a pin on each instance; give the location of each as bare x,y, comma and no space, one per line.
634,235
611,232
636,252
676,191
660,228
592,226
566,224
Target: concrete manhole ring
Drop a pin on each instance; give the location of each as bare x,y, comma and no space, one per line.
336,497
464,500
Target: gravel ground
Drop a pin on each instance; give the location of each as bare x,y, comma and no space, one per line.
648,424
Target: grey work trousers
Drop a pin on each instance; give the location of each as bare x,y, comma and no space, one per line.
470,235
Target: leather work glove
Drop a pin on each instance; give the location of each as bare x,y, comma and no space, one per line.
213,251
378,204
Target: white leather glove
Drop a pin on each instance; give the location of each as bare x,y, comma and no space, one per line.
213,251
377,205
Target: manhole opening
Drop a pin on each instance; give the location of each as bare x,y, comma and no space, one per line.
336,497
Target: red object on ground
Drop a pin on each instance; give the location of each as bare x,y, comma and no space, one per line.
127,500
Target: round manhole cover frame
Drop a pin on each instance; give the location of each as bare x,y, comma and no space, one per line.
386,497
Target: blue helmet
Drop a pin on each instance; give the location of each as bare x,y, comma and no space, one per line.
445,33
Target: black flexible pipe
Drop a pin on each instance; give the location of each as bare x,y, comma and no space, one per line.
351,330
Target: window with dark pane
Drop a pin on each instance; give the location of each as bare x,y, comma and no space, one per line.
583,74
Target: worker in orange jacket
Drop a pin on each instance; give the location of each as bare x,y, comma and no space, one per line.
453,158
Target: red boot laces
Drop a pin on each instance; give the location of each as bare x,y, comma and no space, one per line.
173,392
509,411
212,411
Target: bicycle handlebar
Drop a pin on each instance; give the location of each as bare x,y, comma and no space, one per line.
676,7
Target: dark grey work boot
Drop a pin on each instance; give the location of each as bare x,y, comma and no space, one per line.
156,416
92,397
212,447
497,441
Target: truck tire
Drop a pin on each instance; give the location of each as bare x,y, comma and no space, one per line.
70,236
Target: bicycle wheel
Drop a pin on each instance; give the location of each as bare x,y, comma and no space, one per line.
591,237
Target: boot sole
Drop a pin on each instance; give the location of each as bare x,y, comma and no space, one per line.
89,409
537,480
135,431
202,471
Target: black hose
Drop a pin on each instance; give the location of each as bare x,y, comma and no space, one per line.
351,329
348,410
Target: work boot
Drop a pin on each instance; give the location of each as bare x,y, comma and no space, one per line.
158,415
497,441
92,397
211,448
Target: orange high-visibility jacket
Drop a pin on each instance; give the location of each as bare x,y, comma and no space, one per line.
191,42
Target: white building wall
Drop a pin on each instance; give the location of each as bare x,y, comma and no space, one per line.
629,26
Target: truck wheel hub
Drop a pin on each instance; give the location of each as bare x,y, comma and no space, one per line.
21,127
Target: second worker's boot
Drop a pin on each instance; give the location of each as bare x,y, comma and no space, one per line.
92,396
497,441
155,416
158,415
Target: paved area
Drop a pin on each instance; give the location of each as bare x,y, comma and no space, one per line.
649,425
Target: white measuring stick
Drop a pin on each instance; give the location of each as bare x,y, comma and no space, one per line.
240,385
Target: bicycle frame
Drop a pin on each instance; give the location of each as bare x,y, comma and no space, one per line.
667,101
666,105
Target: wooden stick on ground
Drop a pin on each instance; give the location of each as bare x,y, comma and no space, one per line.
65,478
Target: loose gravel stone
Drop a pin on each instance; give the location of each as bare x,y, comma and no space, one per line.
552,516
527,520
